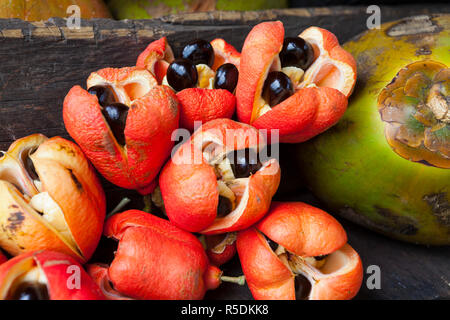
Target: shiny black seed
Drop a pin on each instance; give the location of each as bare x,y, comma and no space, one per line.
199,52
182,74
277,87
105,251
244,162
104,94
30,291
226,77
302,287
224,207
296,52
116,117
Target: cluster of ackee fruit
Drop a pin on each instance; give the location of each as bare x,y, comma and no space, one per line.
216,188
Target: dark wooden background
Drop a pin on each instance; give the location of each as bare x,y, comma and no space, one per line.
40,62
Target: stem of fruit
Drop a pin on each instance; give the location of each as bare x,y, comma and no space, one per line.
147,203
238,280
202,240
119,207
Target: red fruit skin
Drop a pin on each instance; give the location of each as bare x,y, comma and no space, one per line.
156,260
203,105
84,207
188,182
70,180
59,272
152,58
343,286
99,273
305,231
266,276
335,52
305,114
180,184
264,50
219,259
224,53
149,126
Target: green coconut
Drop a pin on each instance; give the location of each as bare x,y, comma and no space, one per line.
386,164
148,9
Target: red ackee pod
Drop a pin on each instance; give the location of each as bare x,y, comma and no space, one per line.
216,182
46,275
50,198
203,102
220,248
131,156
99,272
299,252
154,260
320,91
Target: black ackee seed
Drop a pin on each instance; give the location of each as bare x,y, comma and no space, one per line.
277,88
30,291
226,77
104,94
244,162
199,52
296,52
182,74
302,287
224,207
116,117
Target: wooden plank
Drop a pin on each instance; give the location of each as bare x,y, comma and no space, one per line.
49,58
41,61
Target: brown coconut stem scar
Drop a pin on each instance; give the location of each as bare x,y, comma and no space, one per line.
415,109
438,103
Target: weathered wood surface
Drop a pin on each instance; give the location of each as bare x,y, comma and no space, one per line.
40,62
